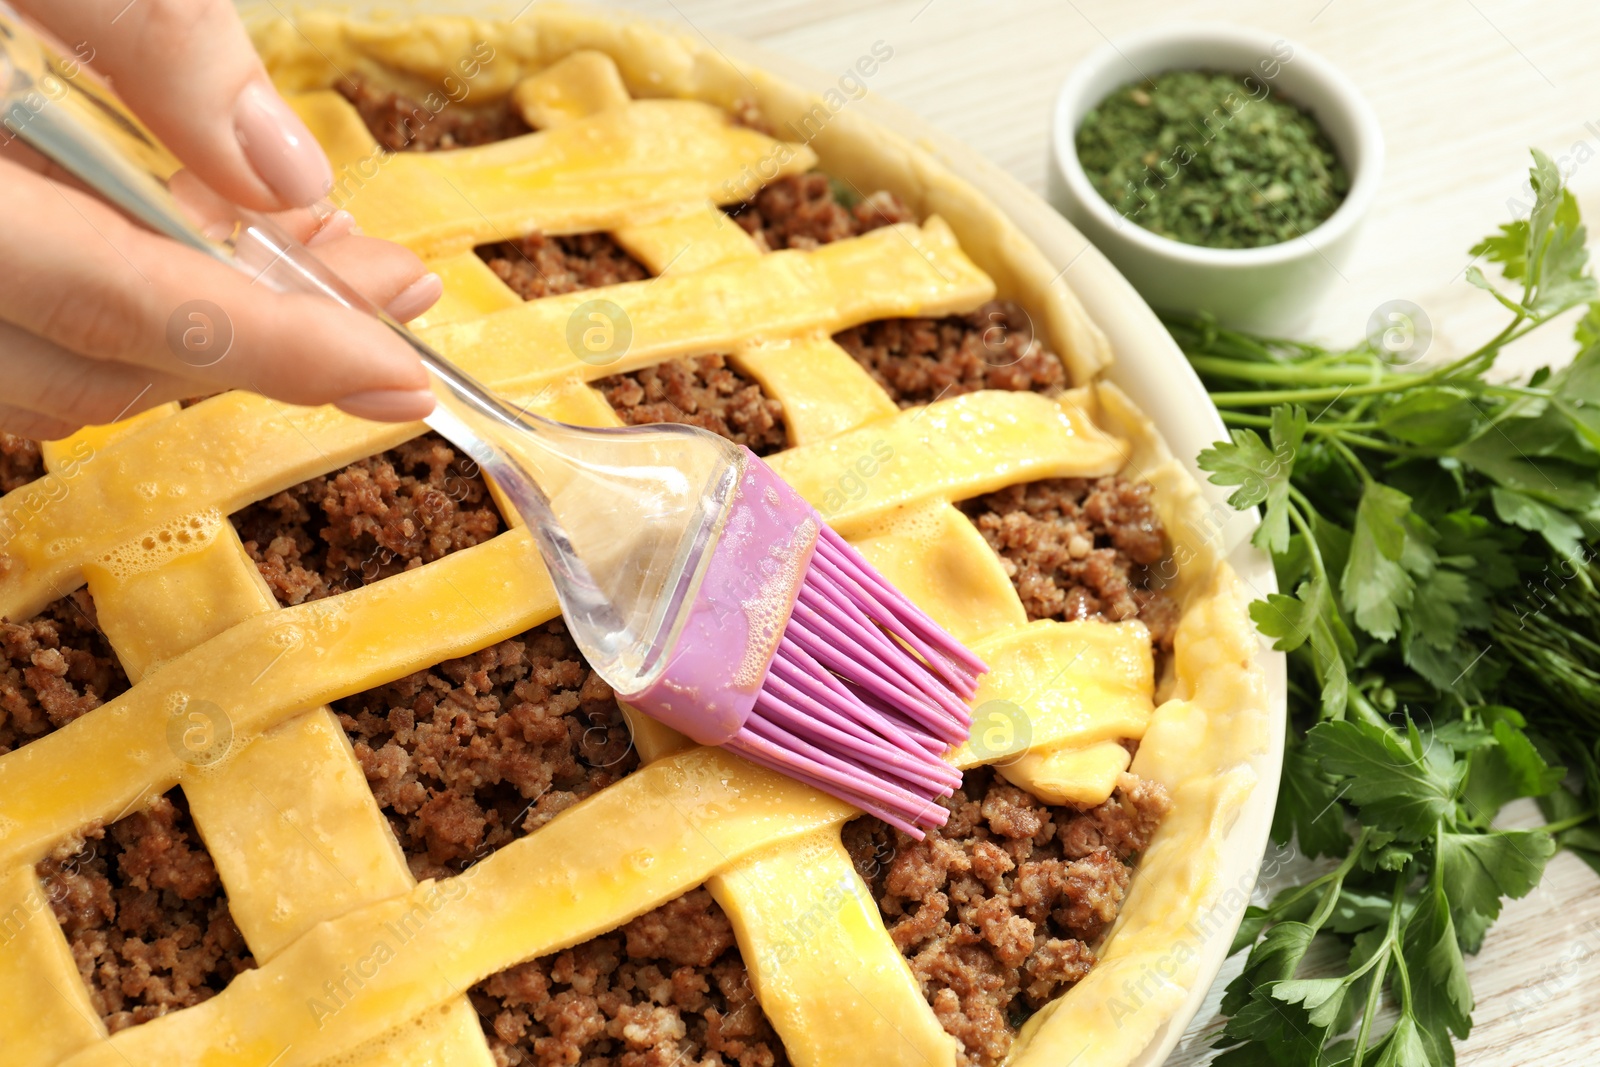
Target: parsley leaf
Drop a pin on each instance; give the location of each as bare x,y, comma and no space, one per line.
1308,808
1261,473
1388,552
1391,779
1562,533
1442,998
1500,773
1479,869
1311,616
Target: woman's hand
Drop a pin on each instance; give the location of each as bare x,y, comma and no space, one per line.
97,314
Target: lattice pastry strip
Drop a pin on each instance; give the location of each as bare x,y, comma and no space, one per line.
46,1012
233,449
896,271
612,169
825,970
290,849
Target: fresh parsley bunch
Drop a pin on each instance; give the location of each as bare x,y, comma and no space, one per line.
1430,529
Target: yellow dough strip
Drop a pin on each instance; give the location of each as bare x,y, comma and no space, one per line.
46,1012
283,872
1084,776
823,390
947,449
587,871
894,271
830,979
931,552
236,448
1055,683
608,170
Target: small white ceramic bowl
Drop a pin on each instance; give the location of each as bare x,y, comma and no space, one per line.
1272,289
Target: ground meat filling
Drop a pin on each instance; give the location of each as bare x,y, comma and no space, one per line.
54,667
20,462
145,914
1082,548
433,123
804,211
918,361
704,391
392,512
667,989
536,266
998,910
469,755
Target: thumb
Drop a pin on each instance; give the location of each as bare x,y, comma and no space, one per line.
187,69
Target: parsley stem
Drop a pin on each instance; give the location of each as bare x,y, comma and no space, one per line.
1336,876
1388,382
1340,430
1352,459
1261,398
1242,418
1567,824
1358,700
1291,373
1385,952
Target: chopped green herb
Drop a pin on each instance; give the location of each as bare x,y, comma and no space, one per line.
1443,636
1211,159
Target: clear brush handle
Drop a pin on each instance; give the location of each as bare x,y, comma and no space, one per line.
622,517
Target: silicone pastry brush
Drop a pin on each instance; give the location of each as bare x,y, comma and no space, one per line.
702,588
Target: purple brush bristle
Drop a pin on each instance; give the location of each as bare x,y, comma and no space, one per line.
799,656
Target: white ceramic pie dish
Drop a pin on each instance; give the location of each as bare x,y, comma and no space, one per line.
1153,372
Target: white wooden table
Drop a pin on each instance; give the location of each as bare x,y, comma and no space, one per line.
1463,88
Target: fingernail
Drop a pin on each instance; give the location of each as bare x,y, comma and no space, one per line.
388,405
417,297
339,224
279,147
